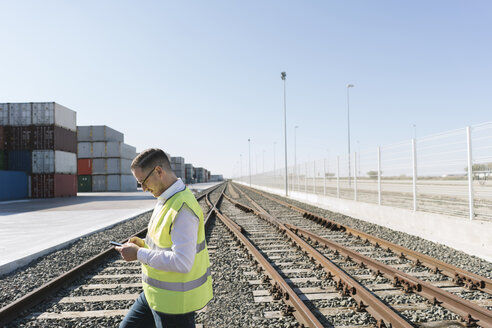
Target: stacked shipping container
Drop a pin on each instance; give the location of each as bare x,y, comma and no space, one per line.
178,166
104,160
40,140
189,173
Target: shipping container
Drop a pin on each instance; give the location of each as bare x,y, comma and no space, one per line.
109,149
53,185
3,137
54,138
114,182
13,186
51,113
98,133
178,160
20,114
19,137
3,160
84,166
19,160
84,150
85,183
54,161
4,114
99,183
111,166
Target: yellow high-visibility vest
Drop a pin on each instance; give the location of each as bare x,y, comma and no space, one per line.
174,292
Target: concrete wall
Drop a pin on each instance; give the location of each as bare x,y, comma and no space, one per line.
471,237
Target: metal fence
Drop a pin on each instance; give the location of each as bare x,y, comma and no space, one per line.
446,173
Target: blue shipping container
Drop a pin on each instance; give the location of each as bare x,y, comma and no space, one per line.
13,185
20,160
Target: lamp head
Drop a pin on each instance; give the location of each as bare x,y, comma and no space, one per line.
283,75
350,85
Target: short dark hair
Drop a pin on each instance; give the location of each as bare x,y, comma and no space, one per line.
151,158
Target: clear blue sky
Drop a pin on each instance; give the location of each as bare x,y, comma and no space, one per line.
198,78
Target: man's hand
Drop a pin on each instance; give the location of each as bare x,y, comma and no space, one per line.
128,251
137,241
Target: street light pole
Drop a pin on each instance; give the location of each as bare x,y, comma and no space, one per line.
348,128
283,75
249,160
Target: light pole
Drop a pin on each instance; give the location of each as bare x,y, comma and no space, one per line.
241,165
283,75
263,170
249,160
348,128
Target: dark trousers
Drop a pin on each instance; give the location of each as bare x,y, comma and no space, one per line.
141,315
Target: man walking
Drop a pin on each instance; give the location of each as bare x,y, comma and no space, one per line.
175,263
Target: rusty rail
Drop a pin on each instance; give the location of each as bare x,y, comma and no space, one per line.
385,315
470,313
459,276
279,286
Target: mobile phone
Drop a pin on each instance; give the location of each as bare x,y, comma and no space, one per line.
115,243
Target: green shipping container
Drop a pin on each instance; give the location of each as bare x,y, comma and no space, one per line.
3,160
85,183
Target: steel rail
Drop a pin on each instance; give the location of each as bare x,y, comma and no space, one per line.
366,300
13,310
470,313
459,276
280,287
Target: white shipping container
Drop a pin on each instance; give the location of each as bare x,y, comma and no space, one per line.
54,161
121,182
84,150
47,113
99,149
20,114
98,133
111,166
4,114
99,183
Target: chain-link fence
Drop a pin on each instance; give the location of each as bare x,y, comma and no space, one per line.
448,173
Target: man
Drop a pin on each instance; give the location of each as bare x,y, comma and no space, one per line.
175,264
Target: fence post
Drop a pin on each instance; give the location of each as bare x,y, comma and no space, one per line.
305,178
355,176
470,172
379,175
324,177
314,179
338,176
414,164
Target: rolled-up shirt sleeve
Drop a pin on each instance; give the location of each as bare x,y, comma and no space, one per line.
182,254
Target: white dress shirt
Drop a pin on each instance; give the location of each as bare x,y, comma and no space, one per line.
183,235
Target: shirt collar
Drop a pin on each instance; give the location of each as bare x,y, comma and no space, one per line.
173,189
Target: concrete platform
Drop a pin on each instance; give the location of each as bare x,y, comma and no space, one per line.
33,227
472,237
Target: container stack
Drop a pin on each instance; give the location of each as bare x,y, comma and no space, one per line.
189,173
38,139
178,167
201,175
104,160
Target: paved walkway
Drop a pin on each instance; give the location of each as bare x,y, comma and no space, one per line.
33,227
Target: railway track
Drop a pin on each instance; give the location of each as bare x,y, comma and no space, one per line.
398,276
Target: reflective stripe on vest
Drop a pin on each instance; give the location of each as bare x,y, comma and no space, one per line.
177,286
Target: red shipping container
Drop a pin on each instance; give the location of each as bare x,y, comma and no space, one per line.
19,138
53,185
3,138
53,137
84,166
